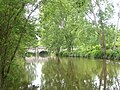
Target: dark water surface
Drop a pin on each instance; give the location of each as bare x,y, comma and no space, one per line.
76,74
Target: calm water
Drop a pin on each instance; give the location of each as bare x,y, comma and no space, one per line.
76,74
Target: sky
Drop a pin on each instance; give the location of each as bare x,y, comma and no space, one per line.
114,19
116,4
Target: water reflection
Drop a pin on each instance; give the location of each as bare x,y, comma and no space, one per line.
37,81
103,76
20,77
76,74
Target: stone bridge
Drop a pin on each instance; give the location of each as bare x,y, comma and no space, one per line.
36,49
39,54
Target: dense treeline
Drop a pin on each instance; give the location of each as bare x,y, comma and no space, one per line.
80,28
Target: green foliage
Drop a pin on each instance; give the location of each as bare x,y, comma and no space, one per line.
60,22
94,52
118,40
17,31
68,25
113,54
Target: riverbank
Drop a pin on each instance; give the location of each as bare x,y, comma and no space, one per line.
92,53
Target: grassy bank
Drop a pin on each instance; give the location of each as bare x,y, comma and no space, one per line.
92,53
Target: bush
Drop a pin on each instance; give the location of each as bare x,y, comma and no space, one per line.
108,53
115,54
98,54
94,52
64,53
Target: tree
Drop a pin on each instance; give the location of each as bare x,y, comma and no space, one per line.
58,21
116,32
100,19
14,28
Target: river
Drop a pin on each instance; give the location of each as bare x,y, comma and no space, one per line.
75,74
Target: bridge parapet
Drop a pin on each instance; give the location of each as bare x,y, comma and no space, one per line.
36,49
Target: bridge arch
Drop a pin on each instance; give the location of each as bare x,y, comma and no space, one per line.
43,53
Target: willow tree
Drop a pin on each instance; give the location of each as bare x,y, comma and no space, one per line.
15,27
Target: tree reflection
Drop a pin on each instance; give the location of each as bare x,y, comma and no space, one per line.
68,75
20,76
77,75
103,76
109,79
